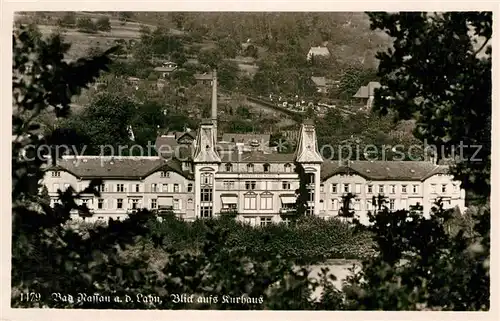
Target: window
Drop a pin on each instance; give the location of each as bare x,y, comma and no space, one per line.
190,188
229,167
66,186
154,188
55,187
334,188
137,188
381,189
357,204
266,202
393,189
229,185
415,189
154,203
310,179
264,221
85,202
403,204
286,185
56,174
391,204
250,185
135,203
443,188
120,187
403,189
358,188
369,189
267,167
206,194
369,205
335,203
190,203
321,188
286,220
165,174
102,188
206,179
119,203
176,188
100,218
288,168
164,188
346,188
100,203
250,168
433,188
176,204
456,187
310,195
250,202
206,211
310,209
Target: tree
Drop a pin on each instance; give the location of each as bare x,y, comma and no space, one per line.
86,25
179,19
352,78
210,57
68,20
445,85
105,122
422,267
125,16
251,51
227,75
103,24
228,47
345,210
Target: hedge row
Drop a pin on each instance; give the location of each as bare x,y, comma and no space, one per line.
310,240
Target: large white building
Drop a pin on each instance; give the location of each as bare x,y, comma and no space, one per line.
198,176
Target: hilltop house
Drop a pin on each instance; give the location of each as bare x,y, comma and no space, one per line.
323,84
318,51
166,68
366,94
205,78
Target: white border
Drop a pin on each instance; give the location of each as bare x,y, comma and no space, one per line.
8,7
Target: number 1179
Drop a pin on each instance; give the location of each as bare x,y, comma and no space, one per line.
30,297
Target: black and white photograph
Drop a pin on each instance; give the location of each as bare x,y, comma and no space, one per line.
251,160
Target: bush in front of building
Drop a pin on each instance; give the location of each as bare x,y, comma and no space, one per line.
311,240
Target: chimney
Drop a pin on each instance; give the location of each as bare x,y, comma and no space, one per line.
214,101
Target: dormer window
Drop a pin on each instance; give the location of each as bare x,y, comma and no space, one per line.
56,174
250,168
229,167
165,174
288,168
267,168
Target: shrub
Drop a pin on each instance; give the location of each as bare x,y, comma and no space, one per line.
86,25
103,24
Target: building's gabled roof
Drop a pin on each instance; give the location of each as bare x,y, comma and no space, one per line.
167,146
256,157
319,51
246,139
205,76
165,69
384,170
117,167
319,81
367,91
